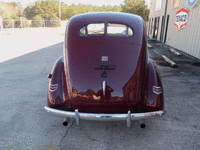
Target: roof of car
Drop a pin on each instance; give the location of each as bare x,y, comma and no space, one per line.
131,20
119,17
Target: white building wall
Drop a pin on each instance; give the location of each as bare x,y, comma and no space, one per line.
186,39
158,13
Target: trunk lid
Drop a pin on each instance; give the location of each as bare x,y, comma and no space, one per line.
105,74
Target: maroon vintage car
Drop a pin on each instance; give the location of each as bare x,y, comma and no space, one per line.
105,73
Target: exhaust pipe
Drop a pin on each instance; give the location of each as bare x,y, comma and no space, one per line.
142,124
65,121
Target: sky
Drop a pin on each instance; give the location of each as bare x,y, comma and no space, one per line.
93,2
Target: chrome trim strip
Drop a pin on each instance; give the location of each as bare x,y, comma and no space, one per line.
104,88
105,117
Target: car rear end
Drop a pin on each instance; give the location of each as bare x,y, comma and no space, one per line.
107,74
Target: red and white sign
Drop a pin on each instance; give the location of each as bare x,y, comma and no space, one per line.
181,18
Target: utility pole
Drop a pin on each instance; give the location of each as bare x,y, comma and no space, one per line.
21,25
59,10
163,30
1,23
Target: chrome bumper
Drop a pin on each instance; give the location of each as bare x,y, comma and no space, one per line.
105,117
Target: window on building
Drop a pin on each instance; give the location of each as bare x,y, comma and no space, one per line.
156,25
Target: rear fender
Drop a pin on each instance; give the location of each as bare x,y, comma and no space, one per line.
155,90
56,95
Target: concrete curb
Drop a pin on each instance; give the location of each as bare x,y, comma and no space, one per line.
173,64
149,46
175,52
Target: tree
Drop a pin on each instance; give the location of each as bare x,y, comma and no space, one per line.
107,8
14,4
117,8
136,7
10,10
26,23
23,23
28,11
52,21
42,8
45,8
37,21
97,8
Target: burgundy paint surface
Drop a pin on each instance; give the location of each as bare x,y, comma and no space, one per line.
130,74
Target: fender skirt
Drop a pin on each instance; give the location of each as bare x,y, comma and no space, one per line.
155,89
57,95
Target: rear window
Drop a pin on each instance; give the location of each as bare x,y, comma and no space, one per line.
113,29
92,29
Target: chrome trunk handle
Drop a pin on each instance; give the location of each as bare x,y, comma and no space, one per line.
104,84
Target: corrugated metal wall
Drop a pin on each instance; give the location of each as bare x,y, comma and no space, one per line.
186,39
